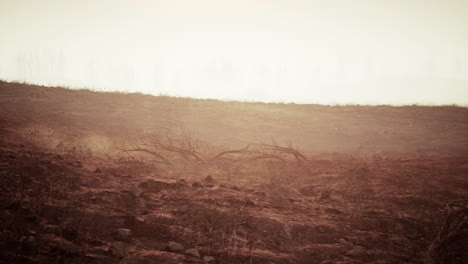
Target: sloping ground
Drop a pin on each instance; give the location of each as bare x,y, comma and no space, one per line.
96,119
64,202
58,208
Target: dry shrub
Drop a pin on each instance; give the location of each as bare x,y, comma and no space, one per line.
130,165
356,185
73,151
218,230
450,245
357,182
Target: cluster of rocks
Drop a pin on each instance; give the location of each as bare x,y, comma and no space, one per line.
123,251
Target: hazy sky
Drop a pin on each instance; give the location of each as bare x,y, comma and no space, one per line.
334,51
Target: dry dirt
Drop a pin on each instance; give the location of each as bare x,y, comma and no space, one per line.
92,177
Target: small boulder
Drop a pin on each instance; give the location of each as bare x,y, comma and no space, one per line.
325,195
123,234
208,179
192,252
197,184
68,248
310,190
30,233
28,245
52,229
154,256
152,186
345,242
208,258
333,211
356,251
97,170
174,247
137,192
118,249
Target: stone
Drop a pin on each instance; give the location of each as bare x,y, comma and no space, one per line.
68,248
123,234
30,233
333,211
325,195
208,179
152,186
97,170
137,192
197,184
154,256
345,242
174,247
192,252
118,249
28,245
357,251
208,258
310,190
52,229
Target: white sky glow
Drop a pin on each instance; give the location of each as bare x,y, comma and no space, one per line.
305,51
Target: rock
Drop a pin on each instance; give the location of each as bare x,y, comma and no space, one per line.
250,202
174,247
192,252
325,195
310,190
345,242
68,248
30,217
137,192
52,229
10,205
357,251
208,258
28,245
123,234
118,249
399,241
30,233
197,184
95,258
208,179
333,211
97,170
130,221
154,256
259,193
152,186
54,244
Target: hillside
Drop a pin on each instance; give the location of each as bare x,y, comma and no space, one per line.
101,118
98,178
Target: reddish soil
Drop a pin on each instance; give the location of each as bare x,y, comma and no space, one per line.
92,177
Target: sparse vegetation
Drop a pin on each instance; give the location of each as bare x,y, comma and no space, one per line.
65,199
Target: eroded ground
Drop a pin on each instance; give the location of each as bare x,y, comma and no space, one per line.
59,208
70,203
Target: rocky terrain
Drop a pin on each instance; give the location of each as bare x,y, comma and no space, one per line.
83,185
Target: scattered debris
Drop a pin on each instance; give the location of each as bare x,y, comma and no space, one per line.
174,247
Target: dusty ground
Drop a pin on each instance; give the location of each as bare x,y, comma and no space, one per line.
71,194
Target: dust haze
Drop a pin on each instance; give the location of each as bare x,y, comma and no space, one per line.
233,131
